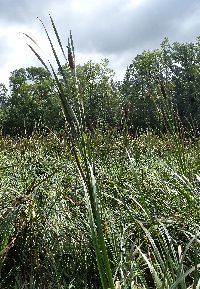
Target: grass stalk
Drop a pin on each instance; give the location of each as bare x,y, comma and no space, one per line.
82,153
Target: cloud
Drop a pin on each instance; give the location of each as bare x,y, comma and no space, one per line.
23,11
118,26
14,52
113,29
4,49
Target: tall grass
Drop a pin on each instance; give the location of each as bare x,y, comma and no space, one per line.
81,150
146,235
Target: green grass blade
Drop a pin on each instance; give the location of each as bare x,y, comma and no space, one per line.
182,277
58,38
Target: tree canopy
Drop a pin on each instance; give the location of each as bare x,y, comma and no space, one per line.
159,89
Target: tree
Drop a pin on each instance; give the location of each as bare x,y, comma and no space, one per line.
161,88
99,93
142,92
186,81
3,103
33,99
32,102
101,96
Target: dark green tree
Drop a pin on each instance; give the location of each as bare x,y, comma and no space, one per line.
143,92
3,103
161,88
186,81
33,102
98,93
101,95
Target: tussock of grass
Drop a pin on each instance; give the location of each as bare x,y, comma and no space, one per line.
149,210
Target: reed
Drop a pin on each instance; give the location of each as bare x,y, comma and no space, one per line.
81,150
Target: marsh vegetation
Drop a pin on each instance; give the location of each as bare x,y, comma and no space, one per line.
106,189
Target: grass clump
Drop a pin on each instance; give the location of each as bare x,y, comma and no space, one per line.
149,214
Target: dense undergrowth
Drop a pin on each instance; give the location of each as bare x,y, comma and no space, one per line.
149,191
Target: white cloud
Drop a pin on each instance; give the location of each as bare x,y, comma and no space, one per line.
113,29
15,49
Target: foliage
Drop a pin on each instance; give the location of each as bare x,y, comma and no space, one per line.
101,95
160,91
32,103
160,81
3,103
150,212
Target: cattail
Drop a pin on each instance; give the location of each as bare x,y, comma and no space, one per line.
70,58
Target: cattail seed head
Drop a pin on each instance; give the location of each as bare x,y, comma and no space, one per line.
70,58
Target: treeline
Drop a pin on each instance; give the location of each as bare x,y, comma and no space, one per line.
159,90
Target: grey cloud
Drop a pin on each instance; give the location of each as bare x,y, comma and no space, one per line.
23,11
4,50
112,29
108,27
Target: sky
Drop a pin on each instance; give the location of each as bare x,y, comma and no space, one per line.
114,29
